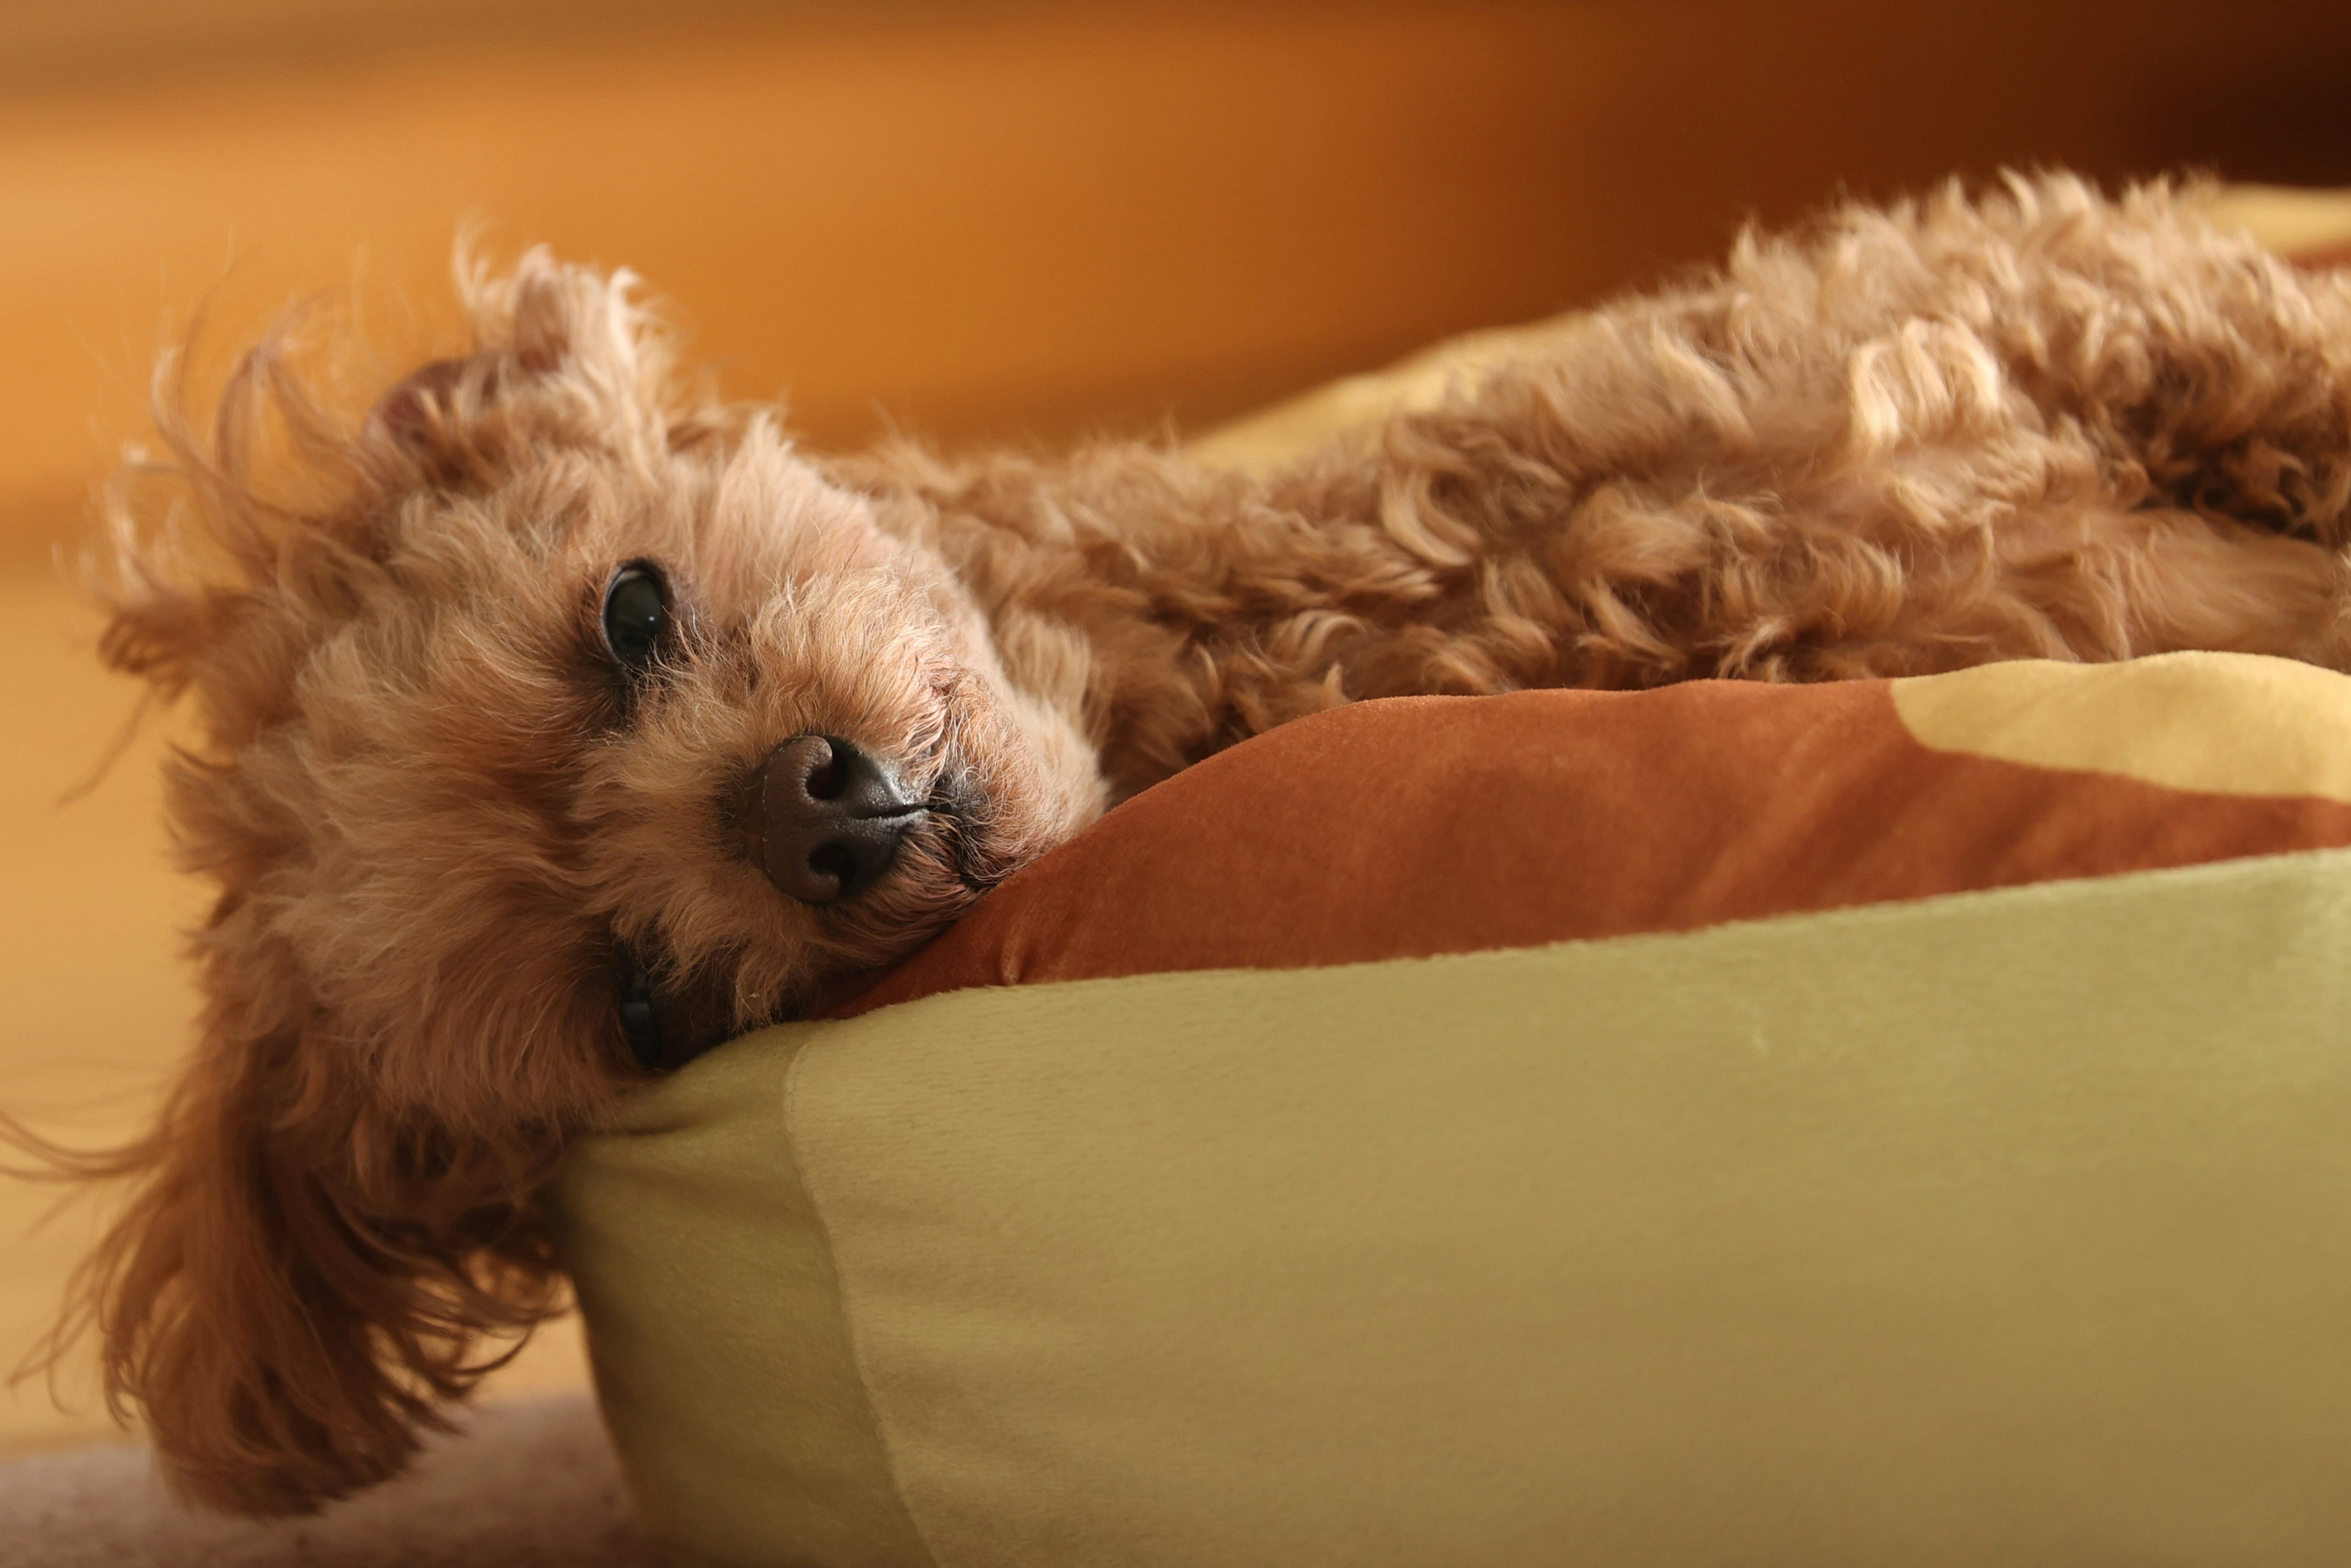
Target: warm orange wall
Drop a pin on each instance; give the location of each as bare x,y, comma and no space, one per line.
988,219
992,219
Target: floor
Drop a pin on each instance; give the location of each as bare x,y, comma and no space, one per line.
980,222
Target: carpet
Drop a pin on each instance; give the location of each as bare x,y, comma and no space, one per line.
525,1484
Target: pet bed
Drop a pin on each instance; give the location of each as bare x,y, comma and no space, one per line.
1896,1122
1888,1122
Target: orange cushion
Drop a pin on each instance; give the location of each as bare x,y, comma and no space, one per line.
1426,825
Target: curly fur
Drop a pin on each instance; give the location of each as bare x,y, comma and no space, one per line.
2029,423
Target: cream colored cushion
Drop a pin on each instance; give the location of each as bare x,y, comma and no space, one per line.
1179,1210
1900,1124
1998,1227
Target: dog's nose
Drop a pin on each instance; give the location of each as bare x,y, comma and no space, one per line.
822,818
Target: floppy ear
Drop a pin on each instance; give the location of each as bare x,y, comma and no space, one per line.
445,423
562,354
287,1338
332,1218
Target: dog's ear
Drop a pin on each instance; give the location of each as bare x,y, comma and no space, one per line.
446,423
286,1337
563,355
424,421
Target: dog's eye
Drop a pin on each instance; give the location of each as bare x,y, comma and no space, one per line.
636,613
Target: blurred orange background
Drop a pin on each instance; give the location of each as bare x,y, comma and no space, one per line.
978,221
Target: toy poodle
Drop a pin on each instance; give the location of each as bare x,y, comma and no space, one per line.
556,720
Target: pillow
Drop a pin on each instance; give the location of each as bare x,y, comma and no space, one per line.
1885,1122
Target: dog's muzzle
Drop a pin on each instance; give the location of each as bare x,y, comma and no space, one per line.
824,820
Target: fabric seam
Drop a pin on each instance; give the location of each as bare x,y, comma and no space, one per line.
857,1359
1874,909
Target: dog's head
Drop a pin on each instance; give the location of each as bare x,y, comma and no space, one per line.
563,724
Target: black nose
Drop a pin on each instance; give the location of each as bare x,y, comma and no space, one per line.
822,818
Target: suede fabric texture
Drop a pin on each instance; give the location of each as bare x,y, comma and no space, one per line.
1437,825
1901,1126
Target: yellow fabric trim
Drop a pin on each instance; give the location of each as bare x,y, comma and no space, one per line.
2283,218
2006,1227
721,1360
1357,405
2227,724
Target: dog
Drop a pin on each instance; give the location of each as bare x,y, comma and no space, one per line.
558,719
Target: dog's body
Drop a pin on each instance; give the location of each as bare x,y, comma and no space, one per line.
579,709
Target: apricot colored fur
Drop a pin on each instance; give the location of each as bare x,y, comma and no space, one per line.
2024,423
